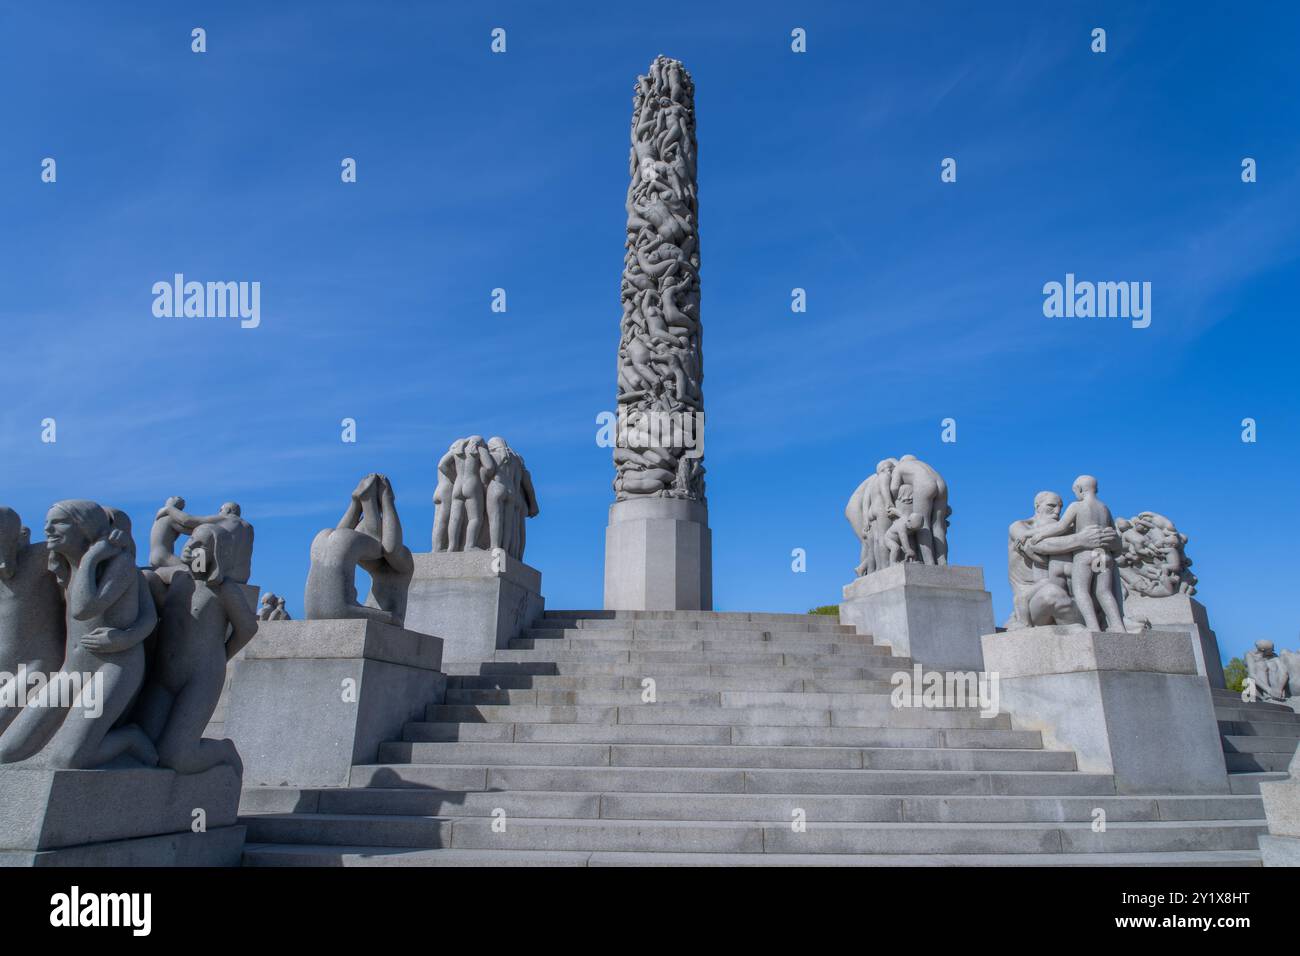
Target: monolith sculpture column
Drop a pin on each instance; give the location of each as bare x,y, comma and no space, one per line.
658,549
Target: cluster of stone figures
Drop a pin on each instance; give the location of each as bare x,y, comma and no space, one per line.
131,660
1072,568
483,496
103,663
1273,676
660,362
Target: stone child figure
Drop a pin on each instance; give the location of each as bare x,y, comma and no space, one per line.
109,615
31,611
368,535
172,521
899,538
930,501
187,669
1092,571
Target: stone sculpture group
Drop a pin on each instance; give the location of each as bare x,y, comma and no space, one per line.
1274,677
660,362
134,658
483,497
900,515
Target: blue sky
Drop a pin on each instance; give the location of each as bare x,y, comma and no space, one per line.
819,171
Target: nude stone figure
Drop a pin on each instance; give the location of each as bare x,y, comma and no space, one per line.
1268,672
465,473
510,500
369,535
109,615
930,501
1040,574
1092,570
187,669
899,537
31,612
172,521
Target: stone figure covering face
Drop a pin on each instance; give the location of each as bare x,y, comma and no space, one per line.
109,615
660,364
1268,672
200,605
31,612
1040,569
1154,562
369,535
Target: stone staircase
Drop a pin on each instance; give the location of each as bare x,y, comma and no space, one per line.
1259,739
548,754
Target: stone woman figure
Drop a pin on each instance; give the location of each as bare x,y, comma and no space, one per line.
188,667
109,615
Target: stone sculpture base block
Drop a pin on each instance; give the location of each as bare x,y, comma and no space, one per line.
658,556
312,698
120,817
934,614
475,600
1131,705
1281,847
1178,612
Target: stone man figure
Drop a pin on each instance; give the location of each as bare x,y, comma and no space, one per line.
510,500
31,612
1092,572
1267,670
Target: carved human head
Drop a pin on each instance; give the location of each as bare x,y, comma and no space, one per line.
1265,647
230,508
12,539
885,466
1047,504
73,525
1085,485
915,521
208,552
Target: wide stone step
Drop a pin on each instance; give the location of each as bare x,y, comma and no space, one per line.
748,757
709,652
585,668
607,615
1254,762
578,698
1249,744
1248,782
769,808
690,645
729,780
421,731
690,836
882,716
663,636
824,626
674,682
1261,728
1256,713
350,856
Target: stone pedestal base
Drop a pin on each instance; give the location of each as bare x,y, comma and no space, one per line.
1178,612
1281,846
475,600
312,698
128,817
1131,705
934,614
658,556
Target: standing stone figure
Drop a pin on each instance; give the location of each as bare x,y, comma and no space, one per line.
369,535
1040,571
464,474
1092,572
172,521
660,361
31,613
272,608
109,614
1154,561
904,489
510,500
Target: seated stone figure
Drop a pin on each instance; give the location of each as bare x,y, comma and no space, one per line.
109,613
31,613
369,536
1267,671
199,606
